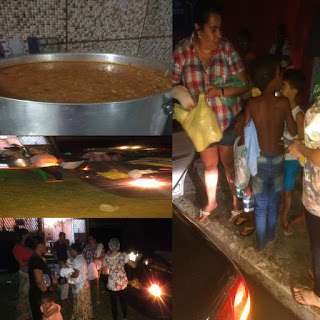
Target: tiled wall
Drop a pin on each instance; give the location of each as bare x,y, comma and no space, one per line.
133,27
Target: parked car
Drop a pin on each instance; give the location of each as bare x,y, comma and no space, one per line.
150,285
207,284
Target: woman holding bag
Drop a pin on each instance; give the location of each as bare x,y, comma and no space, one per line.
94,254
197,62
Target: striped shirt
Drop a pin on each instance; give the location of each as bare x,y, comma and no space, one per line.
189,70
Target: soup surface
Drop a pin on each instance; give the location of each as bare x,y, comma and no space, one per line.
80,82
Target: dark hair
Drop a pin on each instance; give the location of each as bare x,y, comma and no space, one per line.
77,247
35,241
21,232
202,11
61,234
263,70
296,79
47,295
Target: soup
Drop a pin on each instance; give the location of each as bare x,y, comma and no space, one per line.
80,82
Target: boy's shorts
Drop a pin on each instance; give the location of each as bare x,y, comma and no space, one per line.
291,169
228,137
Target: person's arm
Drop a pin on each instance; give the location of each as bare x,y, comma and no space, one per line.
38,275
247,115
300,125
291,124
229,92
49,313
298,149
75,274
55,254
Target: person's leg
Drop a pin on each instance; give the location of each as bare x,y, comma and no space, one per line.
291,168
113,301
260,192
210,160
123,303
54,171
307,296
97,288
226,157
274,194
35,303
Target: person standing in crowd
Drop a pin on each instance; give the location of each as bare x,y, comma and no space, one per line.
294,82
117,279
22,254
47,163
40,276
268,114
82,305
197,61
94,253
310,198
282,48
60,248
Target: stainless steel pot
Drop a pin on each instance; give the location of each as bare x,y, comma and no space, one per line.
146,116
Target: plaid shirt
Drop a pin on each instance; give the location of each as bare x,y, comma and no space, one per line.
188,70
90,254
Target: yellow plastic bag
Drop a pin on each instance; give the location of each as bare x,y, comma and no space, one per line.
201,124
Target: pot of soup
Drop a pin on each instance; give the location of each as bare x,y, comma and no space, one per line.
84,94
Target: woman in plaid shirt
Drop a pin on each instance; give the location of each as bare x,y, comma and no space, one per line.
197,61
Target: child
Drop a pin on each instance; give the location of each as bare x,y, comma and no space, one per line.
49,309
268,114
293,83
242,178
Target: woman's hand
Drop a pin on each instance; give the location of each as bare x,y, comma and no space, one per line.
213,92
295,148
183,96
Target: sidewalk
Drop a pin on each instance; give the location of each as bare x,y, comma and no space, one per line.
283,264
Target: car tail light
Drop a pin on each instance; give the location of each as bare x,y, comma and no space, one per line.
237,305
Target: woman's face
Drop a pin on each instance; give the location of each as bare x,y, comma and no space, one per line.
43,247
25,236
210,34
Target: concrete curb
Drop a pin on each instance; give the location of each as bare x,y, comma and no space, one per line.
260,266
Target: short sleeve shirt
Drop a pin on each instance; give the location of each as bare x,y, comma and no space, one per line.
36,262
24,253
61,249
117,279
189,70
91,253
311,175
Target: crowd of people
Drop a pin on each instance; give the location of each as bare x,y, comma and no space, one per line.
79,266
265,133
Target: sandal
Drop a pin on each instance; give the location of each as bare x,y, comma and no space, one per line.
203,215
249,230
234,214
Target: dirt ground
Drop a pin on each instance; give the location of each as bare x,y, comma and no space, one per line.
25,194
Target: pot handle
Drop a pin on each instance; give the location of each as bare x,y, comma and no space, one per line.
167,108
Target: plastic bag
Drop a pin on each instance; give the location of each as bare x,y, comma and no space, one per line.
201,124
233,81
92,271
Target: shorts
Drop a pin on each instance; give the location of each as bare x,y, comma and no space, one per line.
291,169
228,137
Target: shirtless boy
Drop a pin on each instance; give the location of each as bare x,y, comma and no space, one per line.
268,113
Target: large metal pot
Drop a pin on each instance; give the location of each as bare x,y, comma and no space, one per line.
146,116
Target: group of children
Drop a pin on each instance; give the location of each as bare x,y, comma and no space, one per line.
265,171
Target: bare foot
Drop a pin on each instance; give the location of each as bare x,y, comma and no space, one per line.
211,207
287,230
204,213
306,297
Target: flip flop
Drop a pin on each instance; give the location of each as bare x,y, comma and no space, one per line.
287,233
203,215
234,214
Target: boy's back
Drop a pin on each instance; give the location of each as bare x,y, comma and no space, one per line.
268,114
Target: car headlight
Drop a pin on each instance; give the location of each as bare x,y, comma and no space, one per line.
147,183
155,290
